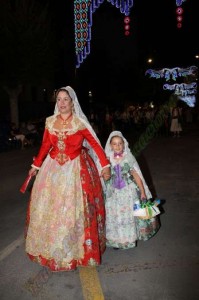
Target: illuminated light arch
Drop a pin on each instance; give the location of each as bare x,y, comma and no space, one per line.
83,11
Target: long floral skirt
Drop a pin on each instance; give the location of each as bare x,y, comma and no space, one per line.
66,215
123,230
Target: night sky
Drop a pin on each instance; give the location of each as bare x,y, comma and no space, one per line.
116,61
116,65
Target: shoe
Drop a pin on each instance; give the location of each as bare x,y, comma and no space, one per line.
115,248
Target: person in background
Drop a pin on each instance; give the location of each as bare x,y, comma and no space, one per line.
176,117
66,215
32,133
16,133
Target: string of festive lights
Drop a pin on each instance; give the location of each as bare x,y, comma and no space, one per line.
180,86
185,91
179,13
182,89
83,12
125,7
173,73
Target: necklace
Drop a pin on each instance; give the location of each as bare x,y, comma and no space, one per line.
65,122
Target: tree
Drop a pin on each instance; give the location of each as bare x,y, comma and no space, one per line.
27,54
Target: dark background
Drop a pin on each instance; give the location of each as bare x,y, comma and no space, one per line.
115,69
116,65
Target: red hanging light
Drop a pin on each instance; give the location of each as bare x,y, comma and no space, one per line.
127,25
179,13
179,25
127,32
179,18
179,10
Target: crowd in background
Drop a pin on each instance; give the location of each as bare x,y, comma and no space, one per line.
132,120
136,119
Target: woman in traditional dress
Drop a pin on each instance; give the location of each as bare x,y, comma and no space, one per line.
66,215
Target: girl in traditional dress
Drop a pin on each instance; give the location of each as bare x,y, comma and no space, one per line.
125,187
66,215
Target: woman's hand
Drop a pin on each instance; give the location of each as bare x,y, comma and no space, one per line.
106,173
32,171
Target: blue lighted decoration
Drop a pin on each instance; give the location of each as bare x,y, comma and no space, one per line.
187,71
83,11
169,74
179,2
124,6
189,100
182,89
185,91
154,73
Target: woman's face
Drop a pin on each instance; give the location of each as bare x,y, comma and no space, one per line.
64,102
117,144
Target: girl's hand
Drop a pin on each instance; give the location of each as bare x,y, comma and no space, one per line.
106,173
32,171
143,196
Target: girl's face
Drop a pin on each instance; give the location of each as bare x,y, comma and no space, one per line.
117,144
64,102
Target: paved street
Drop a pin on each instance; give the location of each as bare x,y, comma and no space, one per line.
163,268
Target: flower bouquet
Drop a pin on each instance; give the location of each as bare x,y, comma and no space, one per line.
146,209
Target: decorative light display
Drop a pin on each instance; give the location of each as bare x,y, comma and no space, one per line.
125,7
182,89
171,73
189,100
83,11
185,91
179,13
127,26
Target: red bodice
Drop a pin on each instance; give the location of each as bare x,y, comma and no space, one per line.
63,147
